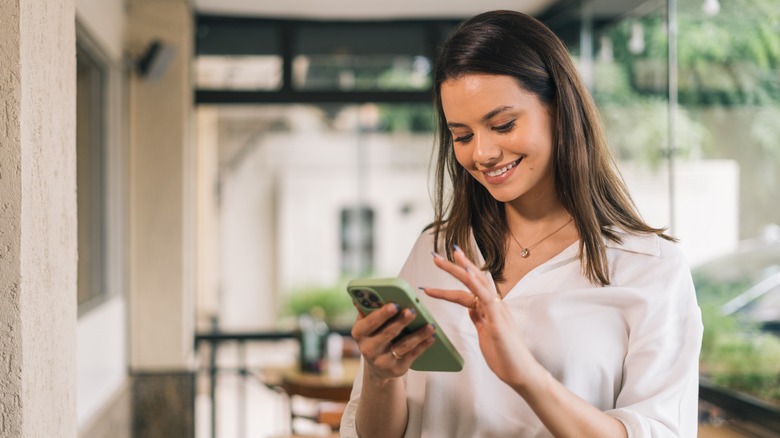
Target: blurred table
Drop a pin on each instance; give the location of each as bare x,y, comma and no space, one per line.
324,386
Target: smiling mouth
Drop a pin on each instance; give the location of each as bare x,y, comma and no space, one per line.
501,170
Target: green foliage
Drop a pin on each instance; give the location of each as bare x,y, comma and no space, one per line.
731,58
638,130
406,118
332,299
735,354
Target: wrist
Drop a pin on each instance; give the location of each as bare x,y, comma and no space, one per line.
536,380
377,379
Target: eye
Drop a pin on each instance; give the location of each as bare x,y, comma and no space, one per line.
463,138
505,127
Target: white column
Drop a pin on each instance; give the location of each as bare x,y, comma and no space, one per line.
162,193
37,219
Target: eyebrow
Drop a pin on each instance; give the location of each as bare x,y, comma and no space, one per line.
485,118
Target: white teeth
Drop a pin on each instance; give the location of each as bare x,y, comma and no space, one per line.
500,171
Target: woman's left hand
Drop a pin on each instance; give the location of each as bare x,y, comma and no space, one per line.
500,339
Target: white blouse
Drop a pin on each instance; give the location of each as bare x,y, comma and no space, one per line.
631,348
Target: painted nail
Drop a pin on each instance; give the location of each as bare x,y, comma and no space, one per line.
435,254
412,311
457,248
421,288
397,308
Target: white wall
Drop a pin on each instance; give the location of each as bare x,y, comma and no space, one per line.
101,356
280,211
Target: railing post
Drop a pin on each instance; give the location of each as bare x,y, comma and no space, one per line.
213,343
242,388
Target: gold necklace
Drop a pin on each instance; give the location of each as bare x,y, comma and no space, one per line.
525,251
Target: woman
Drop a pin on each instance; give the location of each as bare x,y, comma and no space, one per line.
574,317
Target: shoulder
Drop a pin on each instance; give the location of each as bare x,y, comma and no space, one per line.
645,248
653,266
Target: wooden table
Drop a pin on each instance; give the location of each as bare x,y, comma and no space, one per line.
321,386
325,387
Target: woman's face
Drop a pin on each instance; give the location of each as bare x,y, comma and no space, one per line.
502,134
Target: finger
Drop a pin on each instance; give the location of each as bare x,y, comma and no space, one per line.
460,258
451,268
372,322
378,343
418,349
408,343
465,299
465,274
395,326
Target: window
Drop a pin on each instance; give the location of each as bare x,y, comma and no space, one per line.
357,241
91,80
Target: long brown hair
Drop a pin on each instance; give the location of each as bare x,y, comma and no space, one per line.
587,181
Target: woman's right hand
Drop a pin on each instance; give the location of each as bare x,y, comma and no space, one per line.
374,334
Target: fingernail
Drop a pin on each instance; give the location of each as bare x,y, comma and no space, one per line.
435,254
395,308
457,248
421,288
434,327
412,311
467,270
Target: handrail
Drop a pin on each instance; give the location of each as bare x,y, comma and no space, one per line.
229,336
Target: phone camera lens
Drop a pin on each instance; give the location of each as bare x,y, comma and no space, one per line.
373,298
359,293
365,303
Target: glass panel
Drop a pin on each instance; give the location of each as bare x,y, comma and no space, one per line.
238,72
90,161
384,56
361,73
722,190
730,59
629,85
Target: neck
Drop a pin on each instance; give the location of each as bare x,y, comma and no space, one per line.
522,213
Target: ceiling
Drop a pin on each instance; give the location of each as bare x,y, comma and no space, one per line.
366,10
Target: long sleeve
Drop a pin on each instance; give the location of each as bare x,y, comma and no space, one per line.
659,395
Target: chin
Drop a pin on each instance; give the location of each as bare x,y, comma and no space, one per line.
504,195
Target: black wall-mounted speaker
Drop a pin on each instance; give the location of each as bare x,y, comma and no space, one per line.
155,60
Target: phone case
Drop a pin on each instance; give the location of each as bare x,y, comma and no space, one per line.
442,355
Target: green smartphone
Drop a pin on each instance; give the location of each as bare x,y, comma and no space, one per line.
371,294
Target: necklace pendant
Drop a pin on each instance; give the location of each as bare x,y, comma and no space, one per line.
524,253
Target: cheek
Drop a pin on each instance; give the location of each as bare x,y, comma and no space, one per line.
463,156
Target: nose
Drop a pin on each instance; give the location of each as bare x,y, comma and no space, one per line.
486,153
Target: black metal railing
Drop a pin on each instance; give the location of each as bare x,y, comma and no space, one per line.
215,340
763,417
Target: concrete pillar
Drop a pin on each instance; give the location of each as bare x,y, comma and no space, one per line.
37,219
162,215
